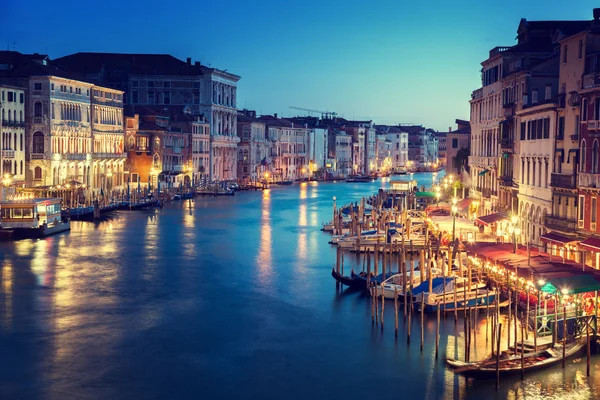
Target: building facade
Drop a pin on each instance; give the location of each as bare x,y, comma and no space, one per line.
457,148
12,128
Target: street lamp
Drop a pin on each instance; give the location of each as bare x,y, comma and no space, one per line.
514,230
6,181
454,210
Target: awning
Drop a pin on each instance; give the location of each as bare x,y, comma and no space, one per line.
425,194
557,238
490,219
571,285
591,244
485,171
464,203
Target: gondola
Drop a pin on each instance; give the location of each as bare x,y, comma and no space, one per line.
358,281
512,365
353,282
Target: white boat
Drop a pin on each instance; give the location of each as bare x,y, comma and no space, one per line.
442,295
371,237
394,284
32,218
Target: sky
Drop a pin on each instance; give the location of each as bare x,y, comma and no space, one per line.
391,61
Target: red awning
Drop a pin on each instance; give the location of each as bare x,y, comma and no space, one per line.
591,244
490,219
557,238
464,203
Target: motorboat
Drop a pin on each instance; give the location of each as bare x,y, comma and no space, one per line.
395,284
443,291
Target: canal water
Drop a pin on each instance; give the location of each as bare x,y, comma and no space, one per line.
223,298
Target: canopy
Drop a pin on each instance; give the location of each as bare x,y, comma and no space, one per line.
490,219
557,238
571,285
464,204
425,194
437,285
485,171
591,243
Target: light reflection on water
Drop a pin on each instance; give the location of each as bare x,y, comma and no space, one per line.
236,291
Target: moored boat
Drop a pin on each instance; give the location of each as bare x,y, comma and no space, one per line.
512,365
443,293
359,178
32,218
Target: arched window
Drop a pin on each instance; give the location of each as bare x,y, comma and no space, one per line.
583,156
37,173
595,157
22,140
156,143
156,161
38,142
131,142
15,115
15,142
21,167
21,116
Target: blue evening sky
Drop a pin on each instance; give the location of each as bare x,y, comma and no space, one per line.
390,61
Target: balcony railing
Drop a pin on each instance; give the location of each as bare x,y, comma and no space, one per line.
74,156
14,124
507,143
565,181
591,80
505,180
37,156
37,120
589,180
109,155
593,125
561,224
8,154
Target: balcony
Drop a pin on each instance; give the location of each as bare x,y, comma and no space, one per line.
507,143
74,156
508,104
560,224
575,138
505,180
37,120
591,80
8,154
509,112
589,180
560,100
573,100
562,181
109,155
593,125
37,156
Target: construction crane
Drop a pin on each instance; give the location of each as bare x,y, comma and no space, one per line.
324,114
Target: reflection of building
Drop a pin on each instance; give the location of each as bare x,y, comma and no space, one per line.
457,147
12,126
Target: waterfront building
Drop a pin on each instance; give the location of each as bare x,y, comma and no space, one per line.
288,148
442,148
562,219
341,152
161,79
157,152
254,149
197,153
383,161
73,128
317,143
399,146
12,128
457,148
587,132
422,146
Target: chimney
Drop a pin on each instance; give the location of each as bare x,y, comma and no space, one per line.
596,14
197,63
449,129
189,60
275,115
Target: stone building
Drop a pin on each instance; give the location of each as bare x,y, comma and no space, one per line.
458,141
12,128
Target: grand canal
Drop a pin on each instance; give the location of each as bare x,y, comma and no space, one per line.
219,299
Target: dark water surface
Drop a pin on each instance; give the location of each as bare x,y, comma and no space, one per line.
231,298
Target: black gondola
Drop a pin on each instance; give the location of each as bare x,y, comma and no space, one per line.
354,281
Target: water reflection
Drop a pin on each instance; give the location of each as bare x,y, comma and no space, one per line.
264,259
7,292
